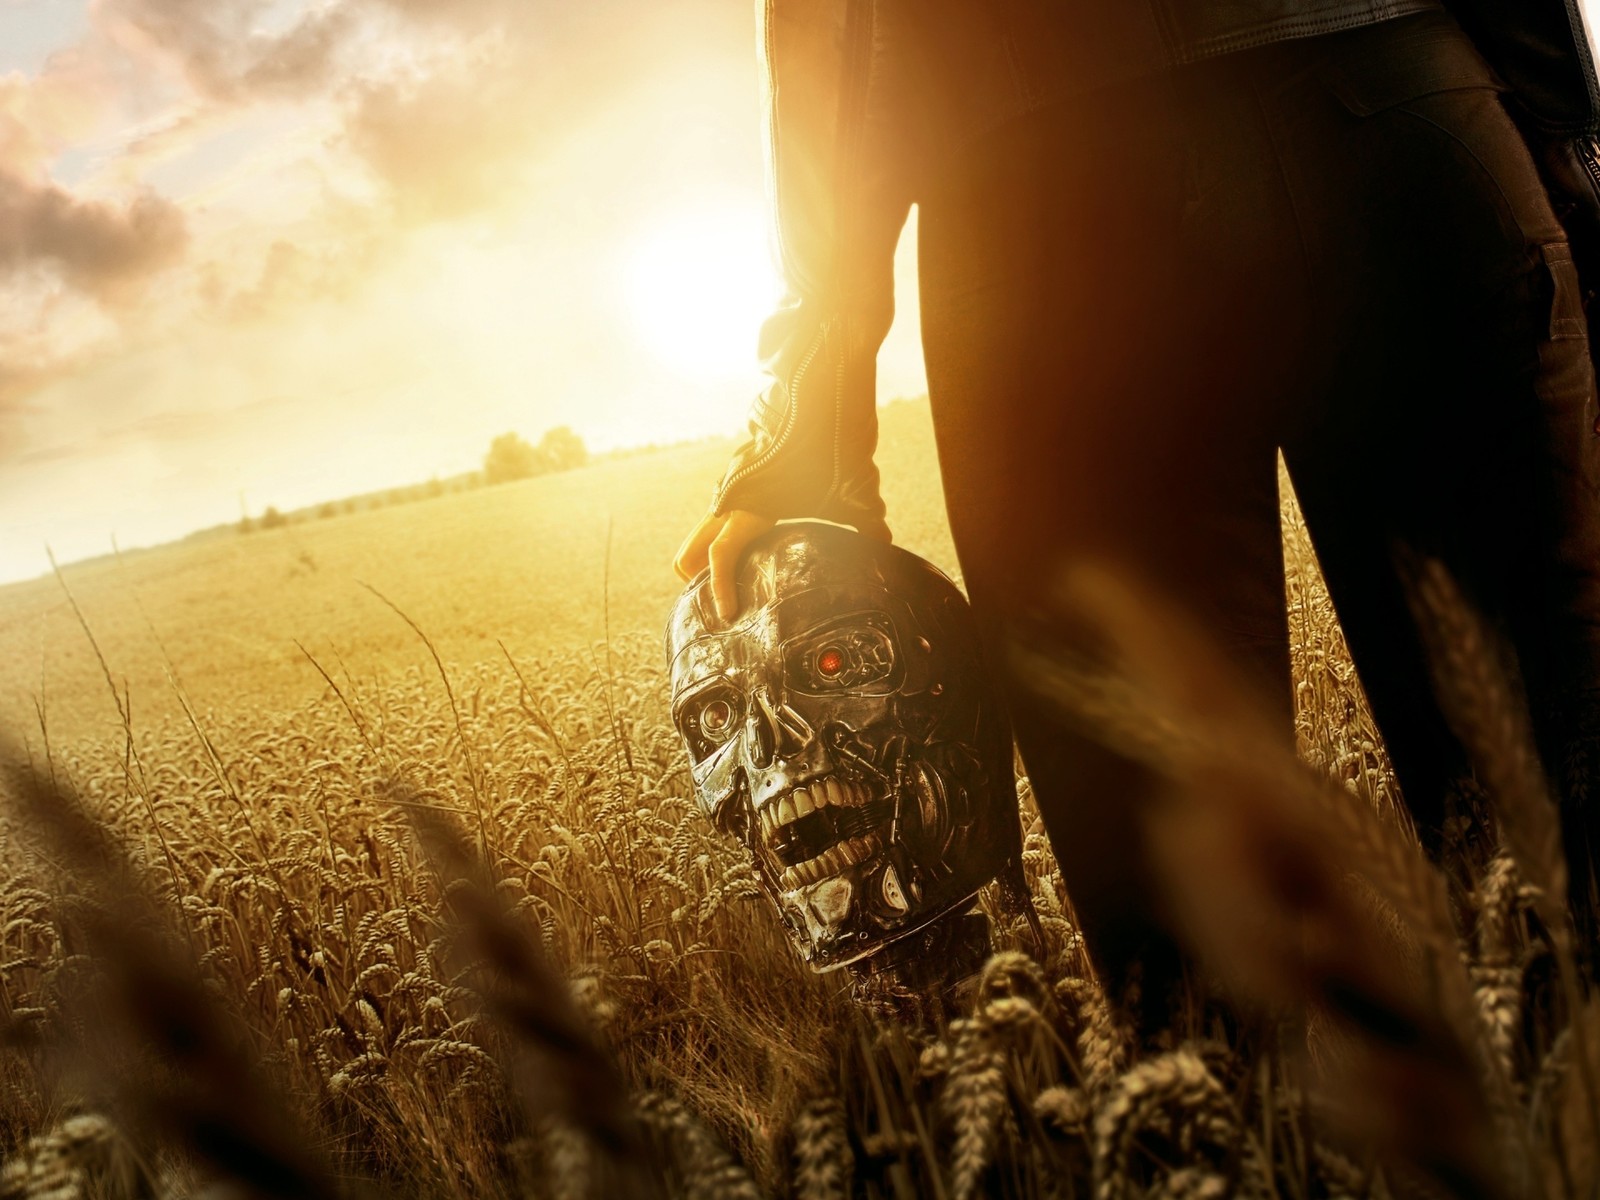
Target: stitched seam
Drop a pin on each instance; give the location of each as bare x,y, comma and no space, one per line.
1297,28
1591,83
1508,211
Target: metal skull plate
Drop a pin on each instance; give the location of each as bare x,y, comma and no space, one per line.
842,728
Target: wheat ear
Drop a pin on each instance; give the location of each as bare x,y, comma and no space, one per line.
1254,865
208,1097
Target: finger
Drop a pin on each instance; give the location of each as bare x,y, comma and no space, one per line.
727,548
691,558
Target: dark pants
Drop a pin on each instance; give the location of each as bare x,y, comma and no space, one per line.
1336,247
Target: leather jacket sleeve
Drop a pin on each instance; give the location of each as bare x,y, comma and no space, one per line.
839,194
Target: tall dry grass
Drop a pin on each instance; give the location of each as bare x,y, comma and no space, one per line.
463,933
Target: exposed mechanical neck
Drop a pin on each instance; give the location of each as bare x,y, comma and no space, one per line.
918,979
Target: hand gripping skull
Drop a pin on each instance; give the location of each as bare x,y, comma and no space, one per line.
843,730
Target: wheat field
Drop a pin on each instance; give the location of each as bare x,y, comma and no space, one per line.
360,858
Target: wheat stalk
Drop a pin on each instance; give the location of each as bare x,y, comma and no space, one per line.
1256,872
207,1096
1175,1090
702,1166
824,1164
1492,722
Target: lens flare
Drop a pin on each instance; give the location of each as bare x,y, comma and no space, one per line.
698,287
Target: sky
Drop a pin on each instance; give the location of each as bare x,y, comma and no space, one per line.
262,252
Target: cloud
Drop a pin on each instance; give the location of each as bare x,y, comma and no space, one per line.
17,383
248,167
505,83
305,59
98,247
167,427
43,114
444,145
227,53
294,273
203,39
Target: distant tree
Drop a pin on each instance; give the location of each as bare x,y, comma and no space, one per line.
330,509
246,525
511,457
352,505
563,449
435,487
272,518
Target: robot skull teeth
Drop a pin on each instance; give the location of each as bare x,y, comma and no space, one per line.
842,729
823,827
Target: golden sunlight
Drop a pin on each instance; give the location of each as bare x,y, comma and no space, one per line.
698,286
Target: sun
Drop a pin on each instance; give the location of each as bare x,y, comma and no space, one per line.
697,287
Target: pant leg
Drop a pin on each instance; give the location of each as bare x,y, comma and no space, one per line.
1458,417
1093,303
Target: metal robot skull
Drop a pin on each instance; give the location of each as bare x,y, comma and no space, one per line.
842,729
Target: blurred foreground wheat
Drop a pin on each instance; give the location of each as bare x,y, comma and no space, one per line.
389,944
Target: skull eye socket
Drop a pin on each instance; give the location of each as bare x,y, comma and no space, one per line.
716,718
855,656
708,720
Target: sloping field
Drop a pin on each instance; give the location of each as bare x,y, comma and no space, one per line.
524,563
281,917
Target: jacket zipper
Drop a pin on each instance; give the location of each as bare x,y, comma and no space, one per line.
782,436
1588,150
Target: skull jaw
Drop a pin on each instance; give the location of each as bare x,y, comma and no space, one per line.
865,908
926,861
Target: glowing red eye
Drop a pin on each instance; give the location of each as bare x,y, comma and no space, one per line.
830,663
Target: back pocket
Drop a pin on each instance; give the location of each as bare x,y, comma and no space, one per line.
1390,71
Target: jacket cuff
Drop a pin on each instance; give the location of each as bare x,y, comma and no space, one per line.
811,441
